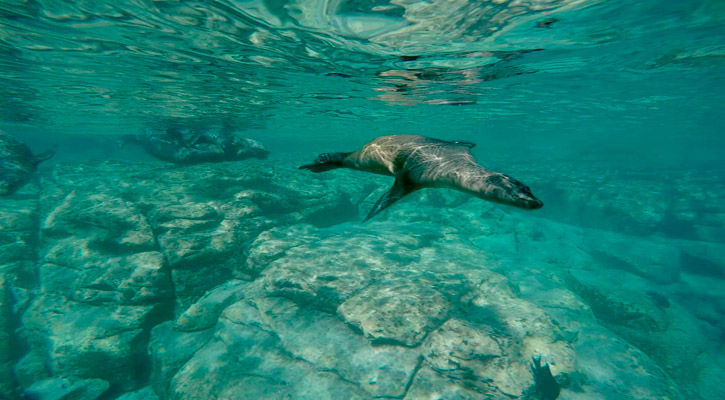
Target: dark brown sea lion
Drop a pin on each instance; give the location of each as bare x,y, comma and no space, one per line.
17,163
191,147
419,162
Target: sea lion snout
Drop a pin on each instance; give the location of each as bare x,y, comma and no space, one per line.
533,204
528,200
503,189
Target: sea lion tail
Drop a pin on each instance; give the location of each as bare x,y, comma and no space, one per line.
39,158
326,161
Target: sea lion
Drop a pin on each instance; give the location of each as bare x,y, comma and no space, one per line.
188,148
419,162
17,163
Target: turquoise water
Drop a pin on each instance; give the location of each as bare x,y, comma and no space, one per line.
125,276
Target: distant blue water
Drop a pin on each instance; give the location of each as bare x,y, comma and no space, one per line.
624,99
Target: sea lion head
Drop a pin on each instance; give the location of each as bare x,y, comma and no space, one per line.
503,189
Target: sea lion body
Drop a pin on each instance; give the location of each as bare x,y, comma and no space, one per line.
184,148
420,162
17,163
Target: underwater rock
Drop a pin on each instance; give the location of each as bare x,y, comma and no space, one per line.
205,227
282,333
6,328
702,258
18,249
273,243
475,341
697,211
631,308
110,223
201,218
428,384
82,341
118,240
665,332
625,200
708,382
705,300
205,312
675,204
101,285
262,367
499,329
395,313
461,349
169,350
17,219
598,354
146,393
277,350
657,262
253,270
61,389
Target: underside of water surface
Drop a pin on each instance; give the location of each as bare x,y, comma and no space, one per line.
132,270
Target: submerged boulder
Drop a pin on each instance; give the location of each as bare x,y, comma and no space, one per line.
391,310
118,249
6,330
635,310
61,389
18,251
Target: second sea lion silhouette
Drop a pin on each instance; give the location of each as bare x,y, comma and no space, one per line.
17,163
419,162
186,147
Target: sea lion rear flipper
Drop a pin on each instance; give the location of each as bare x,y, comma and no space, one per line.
326,161
39,158
400,188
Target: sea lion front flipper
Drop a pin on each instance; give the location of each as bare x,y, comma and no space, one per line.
400,188
326,161
39,158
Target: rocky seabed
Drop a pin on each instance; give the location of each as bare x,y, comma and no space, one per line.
256,281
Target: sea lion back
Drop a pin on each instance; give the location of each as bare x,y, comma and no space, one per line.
440,164
384,155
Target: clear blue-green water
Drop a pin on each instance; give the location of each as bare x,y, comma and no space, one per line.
611,111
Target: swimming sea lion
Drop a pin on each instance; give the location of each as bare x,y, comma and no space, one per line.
419,162
17,163
187,148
